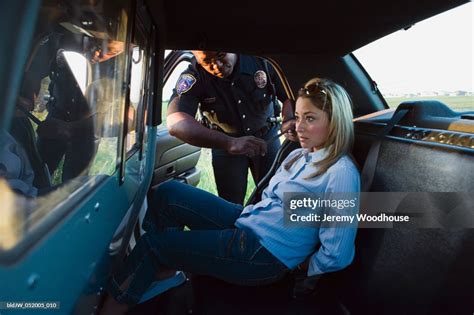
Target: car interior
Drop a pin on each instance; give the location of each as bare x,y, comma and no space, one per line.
421,146
396,270
428,149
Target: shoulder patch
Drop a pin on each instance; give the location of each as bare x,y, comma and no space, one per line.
185,83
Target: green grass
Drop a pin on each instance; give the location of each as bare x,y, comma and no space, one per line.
105,160
207,175
454,102
57,177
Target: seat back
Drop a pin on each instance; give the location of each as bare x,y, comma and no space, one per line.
407,269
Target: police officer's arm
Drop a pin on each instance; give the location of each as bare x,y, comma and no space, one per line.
184,127
287,111
181,123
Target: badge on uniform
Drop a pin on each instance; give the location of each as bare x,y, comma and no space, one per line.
185,83
260,78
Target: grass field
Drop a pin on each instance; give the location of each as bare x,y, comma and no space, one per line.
207,175
454,102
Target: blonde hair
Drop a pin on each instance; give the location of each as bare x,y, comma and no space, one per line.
333,99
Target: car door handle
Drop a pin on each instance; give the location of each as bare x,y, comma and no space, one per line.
170,171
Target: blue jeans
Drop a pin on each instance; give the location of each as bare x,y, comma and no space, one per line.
213,246
230,171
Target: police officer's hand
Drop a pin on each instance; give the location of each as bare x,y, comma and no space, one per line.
53,128
288,128
248,145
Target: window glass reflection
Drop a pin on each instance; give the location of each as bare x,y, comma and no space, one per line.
67,122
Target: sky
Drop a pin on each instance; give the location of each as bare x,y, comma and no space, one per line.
433,55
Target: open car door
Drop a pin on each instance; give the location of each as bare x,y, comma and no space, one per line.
174,159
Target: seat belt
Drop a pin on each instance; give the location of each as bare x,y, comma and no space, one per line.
370,164
276,109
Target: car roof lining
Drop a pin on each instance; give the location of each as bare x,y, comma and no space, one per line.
265,27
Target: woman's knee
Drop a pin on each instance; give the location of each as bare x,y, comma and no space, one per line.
168,187
164,194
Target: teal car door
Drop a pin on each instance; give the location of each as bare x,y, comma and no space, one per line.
78,147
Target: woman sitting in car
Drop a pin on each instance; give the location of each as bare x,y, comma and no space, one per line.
252,245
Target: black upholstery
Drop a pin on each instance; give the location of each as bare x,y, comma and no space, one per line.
412,270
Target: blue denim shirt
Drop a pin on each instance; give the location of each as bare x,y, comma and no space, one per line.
293,245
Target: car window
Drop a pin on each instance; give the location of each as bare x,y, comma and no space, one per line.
138,89
432,59
65,132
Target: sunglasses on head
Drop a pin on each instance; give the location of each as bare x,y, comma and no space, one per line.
315,90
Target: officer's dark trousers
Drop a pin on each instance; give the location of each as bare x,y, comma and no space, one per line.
230,171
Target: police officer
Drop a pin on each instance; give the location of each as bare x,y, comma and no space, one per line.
234,96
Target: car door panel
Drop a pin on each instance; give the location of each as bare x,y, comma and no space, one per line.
62,253
175,159
44,267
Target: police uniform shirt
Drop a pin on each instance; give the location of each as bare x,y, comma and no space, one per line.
240,103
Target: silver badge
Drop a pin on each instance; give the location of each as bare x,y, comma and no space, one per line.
260,78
